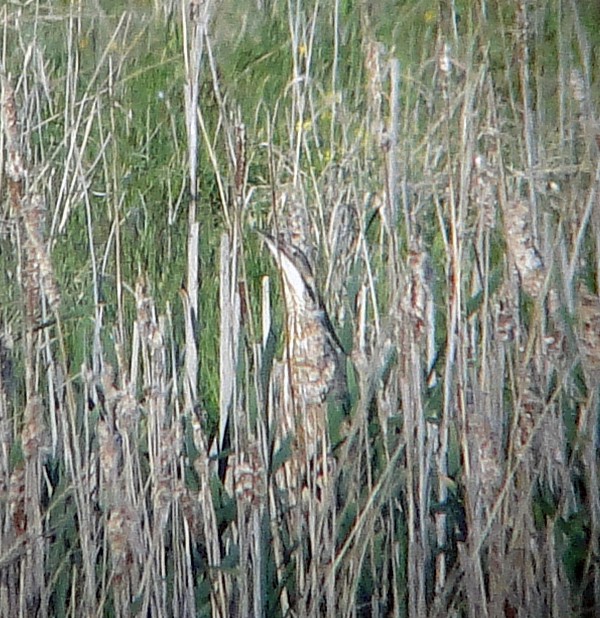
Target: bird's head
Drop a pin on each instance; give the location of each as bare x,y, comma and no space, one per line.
297,273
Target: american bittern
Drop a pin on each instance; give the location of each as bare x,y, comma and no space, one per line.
315,362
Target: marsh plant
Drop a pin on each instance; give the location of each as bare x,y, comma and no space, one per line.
438,165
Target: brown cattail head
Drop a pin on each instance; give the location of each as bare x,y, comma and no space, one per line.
523,252
416,301
17,501
484,191
34,436
15,164
37,258
588,333
249,485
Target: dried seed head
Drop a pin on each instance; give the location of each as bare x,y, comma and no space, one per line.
577,86
190,508
505,325
588,333
524,253
110,450
249,483
117,535
16,169
124,537
127,413
532,405
38,265
17,499
375,67
445,60
9,114
34,436
416,302
486,455
484,182
146,315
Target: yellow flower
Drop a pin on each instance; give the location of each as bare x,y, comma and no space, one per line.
305,126
430,16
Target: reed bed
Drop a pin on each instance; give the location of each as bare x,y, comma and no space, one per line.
443,163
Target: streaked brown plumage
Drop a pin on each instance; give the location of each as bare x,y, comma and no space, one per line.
315,362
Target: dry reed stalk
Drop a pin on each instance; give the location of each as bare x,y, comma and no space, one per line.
245,471
392,169
376,69
229,304
195,16
523,35
454,112
417,473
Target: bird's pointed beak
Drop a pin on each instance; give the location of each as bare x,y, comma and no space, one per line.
269,241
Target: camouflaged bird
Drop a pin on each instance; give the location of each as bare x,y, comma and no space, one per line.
314,365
